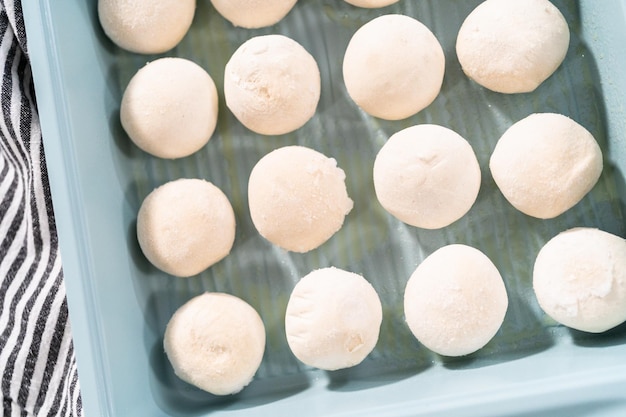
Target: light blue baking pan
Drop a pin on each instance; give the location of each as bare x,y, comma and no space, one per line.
119,304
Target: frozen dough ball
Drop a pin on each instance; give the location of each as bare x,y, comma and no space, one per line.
272,85
297,198
147,26
333,319
253,13
545,164
512,46
185,226
427,176
216,342
455,301
393,67
371,4
580,279
169,108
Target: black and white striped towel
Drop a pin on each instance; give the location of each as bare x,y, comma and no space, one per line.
37,362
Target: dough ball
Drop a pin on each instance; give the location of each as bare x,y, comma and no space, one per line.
427,176
216,342
169,108
272,85
253,14
185,226
512,46
393,67
371,4
333,319
455,301
580,279
297,198
545,164
147,26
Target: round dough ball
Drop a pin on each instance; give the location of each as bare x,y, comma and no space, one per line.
252,14
216,342
272,85
579,279
455,301
169,108
545,164
371,4
427,176
333,319
512,46
185,226
393,67
297,198
147,26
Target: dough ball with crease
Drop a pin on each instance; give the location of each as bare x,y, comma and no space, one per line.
185,226
216,342
427,176
393,67
545,164
455,301
272,85
298,198
371,4
146,26
579,279
333,319
252,14
169,108
512,46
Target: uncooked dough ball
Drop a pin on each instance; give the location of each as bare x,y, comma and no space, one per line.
253,13
215,341
512,46
297,198
272,85
169,108
455,301
146,26
371,4
393,67
185,226
580,279
427,176
333,319
545,164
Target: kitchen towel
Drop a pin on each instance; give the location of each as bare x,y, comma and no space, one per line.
37,362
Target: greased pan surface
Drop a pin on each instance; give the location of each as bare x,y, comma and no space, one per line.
119,304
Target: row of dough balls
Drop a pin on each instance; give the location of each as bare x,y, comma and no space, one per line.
394,65
297,200
169,108
454,304
426,176
272,84
156,26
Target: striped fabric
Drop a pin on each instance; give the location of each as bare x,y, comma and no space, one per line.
37,362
